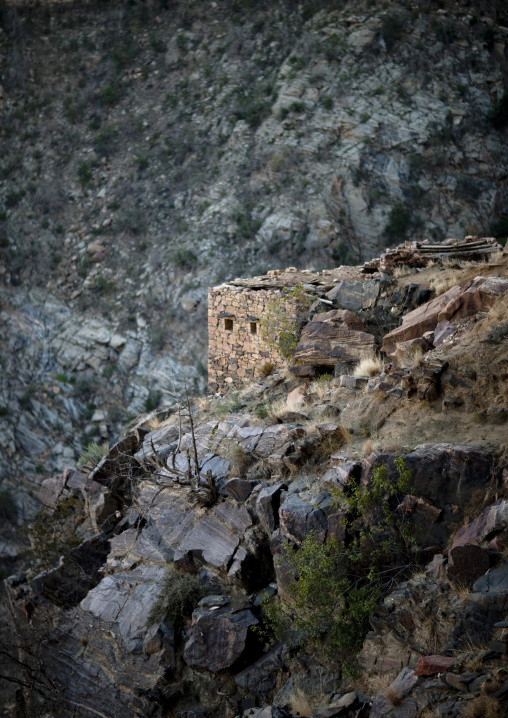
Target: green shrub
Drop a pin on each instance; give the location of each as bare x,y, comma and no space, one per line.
178,598
392,31
8,510
108,95
103,285
131,220
153,400
104,142
93,454
327,102
336,588
13,198
142,162
398,222
84,173
184,258
261,411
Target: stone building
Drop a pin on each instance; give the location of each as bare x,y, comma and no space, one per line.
236,348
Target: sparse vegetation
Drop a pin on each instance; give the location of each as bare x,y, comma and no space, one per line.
53,532
482,707
180,593
92,455
398,222
283,319
239,459
499,116
369,366
266,368
335,588
184,258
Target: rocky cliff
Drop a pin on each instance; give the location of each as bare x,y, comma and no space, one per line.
162,566
152,149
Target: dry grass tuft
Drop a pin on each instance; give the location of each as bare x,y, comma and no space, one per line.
300,704
329,443
416,356
277,409
369,366
493,684
482,707
368,447
154,423
402,271
440,285
239,459
393,698
460,590
201,402
498,311
267,368
321,385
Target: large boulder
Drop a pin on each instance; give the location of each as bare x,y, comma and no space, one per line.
478,295
334,336
298,519
491,522
420,320
355,296
218,637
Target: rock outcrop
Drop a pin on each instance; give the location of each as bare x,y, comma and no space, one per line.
331,337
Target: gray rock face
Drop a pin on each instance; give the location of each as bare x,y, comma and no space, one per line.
211,541
267,506
494,520
262,675
354,296
78,572
126,600
467,563
298,519
239,489
218,638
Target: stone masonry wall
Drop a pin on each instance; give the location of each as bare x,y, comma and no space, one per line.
236,350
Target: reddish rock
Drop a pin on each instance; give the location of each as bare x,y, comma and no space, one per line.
420,320
296,398
430,665
496,544
404,355
493,520
443,330
478,295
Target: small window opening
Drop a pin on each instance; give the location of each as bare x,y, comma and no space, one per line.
253,328
228,325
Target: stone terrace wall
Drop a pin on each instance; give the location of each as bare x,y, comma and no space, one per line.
236,350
